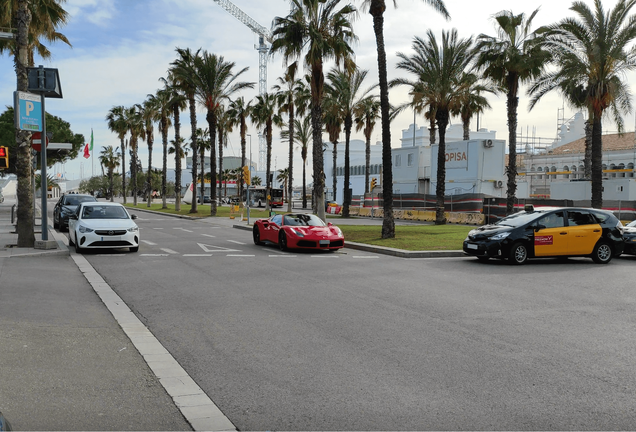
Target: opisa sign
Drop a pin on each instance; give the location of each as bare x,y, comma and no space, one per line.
457,155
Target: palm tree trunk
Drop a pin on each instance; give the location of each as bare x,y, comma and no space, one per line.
164,169
177,157
133,170
304,183
335,161
243,150
268,183
290,174
211,118
149,180
440,189
220,161
25,228
193,129
597,162
587,162
346,202
111,183
388,224
466,124
367,162
123,169
202,187
512,104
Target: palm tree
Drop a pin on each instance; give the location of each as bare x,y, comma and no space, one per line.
591,55
215,81
135,123
304,137
177,103
333,126
325,32
283,177
287,98
203,140
238,111
109,158
366,113
376,8
440,71
471,101
151,113
256,181
164,100
224,125
514,57
264,116
183,72
116,119
346,87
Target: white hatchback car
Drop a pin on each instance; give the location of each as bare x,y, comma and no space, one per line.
103,225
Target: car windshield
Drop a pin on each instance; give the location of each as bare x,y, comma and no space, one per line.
104,212
519,219
75,200
303,220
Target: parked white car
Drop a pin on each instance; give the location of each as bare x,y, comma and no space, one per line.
102,225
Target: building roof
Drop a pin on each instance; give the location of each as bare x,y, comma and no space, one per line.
611,142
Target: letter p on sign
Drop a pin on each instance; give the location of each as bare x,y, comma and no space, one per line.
29,107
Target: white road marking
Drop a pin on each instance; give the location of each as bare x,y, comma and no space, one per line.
325,256
157,228
237,242
209,235
197,255
154,255
183,229
283,256
365,256
149,243
170,251
230,255
110,255
210,248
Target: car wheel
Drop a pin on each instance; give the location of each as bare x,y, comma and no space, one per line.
134,249
257,236
55,224
282,241
518,254
483,258
602,253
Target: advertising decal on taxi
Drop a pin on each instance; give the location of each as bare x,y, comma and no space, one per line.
542,240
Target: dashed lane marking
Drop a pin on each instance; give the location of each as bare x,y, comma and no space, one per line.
149,243
365,256
231,255
237,242
170,251
283,256
208,235
197,255
155,255
325,256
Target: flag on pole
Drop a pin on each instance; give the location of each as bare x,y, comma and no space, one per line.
87,152
91,147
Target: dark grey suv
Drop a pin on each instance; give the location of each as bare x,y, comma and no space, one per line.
65,206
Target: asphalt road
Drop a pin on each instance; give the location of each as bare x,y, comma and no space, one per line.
357,341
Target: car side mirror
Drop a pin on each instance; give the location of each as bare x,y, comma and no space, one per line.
329,224
539,227
134,216
72,216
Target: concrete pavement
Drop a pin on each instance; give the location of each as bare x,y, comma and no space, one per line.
73,355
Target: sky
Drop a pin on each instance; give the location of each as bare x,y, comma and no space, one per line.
121,48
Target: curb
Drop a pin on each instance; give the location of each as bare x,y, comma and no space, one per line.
400,253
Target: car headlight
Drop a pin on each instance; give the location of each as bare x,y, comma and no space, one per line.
338,231
298,233
84,229
133,229
500,236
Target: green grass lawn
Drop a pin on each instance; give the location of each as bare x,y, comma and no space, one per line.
413,238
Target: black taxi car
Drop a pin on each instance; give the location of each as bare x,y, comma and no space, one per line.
629,235
549,232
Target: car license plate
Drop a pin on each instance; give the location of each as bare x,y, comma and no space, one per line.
111,238
472,246
324,242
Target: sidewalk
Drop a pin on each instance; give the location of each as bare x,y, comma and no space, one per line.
74,357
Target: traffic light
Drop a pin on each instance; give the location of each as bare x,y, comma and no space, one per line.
246,175
4,157
374,182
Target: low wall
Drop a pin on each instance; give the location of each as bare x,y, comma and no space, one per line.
421,215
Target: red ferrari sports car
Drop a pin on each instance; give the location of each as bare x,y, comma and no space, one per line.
298,230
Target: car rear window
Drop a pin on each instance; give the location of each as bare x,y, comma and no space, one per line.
75,200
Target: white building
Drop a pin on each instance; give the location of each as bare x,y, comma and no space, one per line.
475,166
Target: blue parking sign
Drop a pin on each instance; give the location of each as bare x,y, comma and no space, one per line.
28,110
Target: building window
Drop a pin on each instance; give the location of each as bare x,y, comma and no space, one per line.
409,160
398,160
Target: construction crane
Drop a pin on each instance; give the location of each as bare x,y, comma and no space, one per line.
263,49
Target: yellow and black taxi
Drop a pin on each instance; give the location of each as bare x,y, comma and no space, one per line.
549,232
629,235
